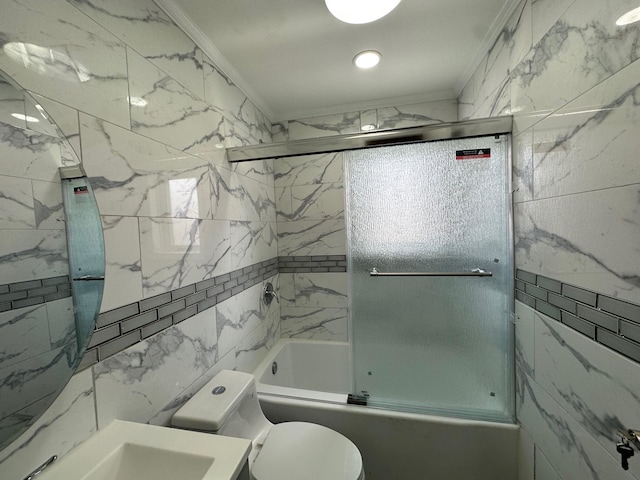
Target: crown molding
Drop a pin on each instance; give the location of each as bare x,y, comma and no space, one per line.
184,21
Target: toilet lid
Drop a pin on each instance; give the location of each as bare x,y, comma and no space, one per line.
306,451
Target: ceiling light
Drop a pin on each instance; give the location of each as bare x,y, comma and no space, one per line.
629,17
25,118
367,59
360,11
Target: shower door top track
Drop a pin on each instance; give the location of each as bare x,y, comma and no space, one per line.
357,141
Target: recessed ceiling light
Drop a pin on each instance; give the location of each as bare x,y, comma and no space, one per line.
367,59
629,17
360,11
25,118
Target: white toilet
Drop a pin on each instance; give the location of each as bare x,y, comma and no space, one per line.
228,405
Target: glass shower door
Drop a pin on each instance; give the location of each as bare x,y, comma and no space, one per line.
439,340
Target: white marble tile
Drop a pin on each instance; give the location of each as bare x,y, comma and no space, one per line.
16,204
179,252
308,170
495,103
24,334
221,92
145,27
29,254
592,383
417,114
65,118
62,325
525,338
317,237
252,242
55,50
12,101
568,447
286,290
135,176
28,154
321,290
587,239
590,143
522,170
545,13
137,383
520,29
313,202
584,45
238,316
467,99
260,170
314,323
526,456
236,197
68,422
123,274
164,416
48,205
254,347
170,113
544,470
324,126
280,132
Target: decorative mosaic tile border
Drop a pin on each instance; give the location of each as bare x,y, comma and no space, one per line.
33,292
313,264
122,327
606,320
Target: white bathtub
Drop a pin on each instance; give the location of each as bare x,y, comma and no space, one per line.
311,384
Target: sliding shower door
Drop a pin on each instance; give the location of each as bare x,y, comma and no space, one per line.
430,262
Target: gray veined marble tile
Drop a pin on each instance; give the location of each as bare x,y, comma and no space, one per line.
316,237
135,176
11,101
16,203
146,28
168,112
65,118
69,421
585,45
496,102
417,114
280,131
123,275
24,333
589,143
252,242
324,126
313,202
586,240
545,13
235,197
525,338
29,154
67,56
522,171
222,93
591,382
569,448
48,206
62,328
321,290
253,348
314,323
28,254
178,252
239,316
137,383
308,170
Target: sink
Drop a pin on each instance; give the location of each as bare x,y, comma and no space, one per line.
135,451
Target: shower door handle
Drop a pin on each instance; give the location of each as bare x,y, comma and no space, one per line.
476,272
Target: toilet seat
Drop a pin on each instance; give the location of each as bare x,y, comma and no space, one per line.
306,451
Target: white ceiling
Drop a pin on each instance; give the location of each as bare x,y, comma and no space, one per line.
293,59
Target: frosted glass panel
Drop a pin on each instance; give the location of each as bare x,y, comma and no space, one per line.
432,344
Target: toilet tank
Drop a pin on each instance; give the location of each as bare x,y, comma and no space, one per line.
227,405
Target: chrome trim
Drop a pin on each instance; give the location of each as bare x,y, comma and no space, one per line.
74,171
41,468
476,272
356,141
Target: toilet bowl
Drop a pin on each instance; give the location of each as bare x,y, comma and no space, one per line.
228,405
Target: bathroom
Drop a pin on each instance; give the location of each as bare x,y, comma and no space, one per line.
562,68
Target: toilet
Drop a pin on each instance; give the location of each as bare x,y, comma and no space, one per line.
228,405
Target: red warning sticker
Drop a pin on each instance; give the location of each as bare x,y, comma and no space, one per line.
80,190
471,154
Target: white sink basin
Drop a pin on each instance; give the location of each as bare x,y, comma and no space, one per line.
135,451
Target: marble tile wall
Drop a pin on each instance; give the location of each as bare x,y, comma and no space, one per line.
149,115
311,217
569,76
